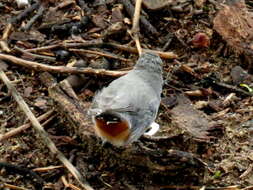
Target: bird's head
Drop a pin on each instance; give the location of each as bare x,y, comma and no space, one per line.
150,62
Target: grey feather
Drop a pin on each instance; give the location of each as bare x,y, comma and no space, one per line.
135,96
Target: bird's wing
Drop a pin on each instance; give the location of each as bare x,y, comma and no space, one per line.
143,119
129,93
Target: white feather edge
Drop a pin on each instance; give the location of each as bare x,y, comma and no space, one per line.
154,128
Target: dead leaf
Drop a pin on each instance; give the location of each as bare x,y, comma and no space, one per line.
236,28
41,103
28,91
3,66
117,15
239,75
190,119
99,21
28,36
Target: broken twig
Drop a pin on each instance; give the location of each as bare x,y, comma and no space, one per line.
101,54
35,55
149,28
23,127
60,69
135,28
165,55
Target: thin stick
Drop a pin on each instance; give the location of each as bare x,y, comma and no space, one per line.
3,42
97,43
44,48
35,55
135,28
7,31
23,127
138,44
100,53
67,44
24,13
46,169
34,18
165,55
148,27
136,17
43,134
60,69
9,186
4,46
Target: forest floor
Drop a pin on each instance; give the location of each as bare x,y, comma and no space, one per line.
206,57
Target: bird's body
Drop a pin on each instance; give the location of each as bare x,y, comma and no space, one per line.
124,110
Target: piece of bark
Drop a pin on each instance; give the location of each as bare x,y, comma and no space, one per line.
190,119
234,23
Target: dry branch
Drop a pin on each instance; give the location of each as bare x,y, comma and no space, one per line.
24,127
99,43
135,28
149,28
100,53
164,55
59,69
49,58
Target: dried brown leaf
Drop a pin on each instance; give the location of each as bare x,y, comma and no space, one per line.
235,24
195,122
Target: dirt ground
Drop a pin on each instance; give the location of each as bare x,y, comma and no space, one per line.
206,108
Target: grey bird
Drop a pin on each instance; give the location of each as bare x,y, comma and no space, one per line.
128,106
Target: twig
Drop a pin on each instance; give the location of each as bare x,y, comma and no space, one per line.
135,28
246,172
23,127
7,31
42,132
99,43
149,28
34,18
35,55
165,55
43,48
9,186
100,53
60,69
46,169
25,12
4,46
67,184
64,4
3,42
92,43
233,88
71,186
